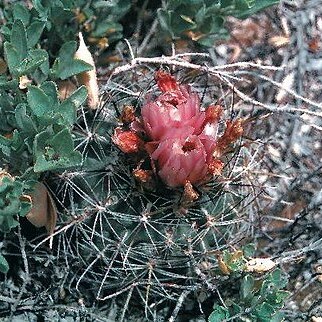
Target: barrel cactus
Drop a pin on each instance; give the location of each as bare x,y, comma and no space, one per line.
158,197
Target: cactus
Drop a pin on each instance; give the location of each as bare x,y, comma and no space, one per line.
130,240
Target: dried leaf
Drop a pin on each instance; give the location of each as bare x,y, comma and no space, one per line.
314,45
260,265
103,43
316,319
88,78
143,176
65,89
128,114
195,36
3,66
247,33
3,174
111,59
215,167
279,41
189,193
287,84
236,52
80,16
223,266
43,212
24,81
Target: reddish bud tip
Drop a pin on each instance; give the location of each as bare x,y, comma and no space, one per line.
143,176
213,113
233,131
215,167
165,81
128,114
127,141
189,193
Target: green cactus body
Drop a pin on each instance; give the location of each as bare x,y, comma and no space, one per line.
145,243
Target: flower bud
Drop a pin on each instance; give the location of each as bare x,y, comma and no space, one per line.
127,141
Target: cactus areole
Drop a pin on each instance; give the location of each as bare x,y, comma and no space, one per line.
179,136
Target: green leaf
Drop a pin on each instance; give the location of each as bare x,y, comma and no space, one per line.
42,11
266,288
5,31
5,147
106,27
248,8
280,296
247,286
25,207
273,296
242,5
35,59
278,317
7,222
227,256
215,26
62,142
38,101
11,57
41,74
4,266
164,17
219,314
69,106
226,3
10,203
19,39
78,97
55,152
205,18
20,12
235,309
249,250
50,89
265,312
34,32
10,145
5,84
68,112
278,278
66,65
24,121
201,15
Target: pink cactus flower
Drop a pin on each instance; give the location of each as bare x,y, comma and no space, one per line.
182,160
182,136
179,136
162,119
